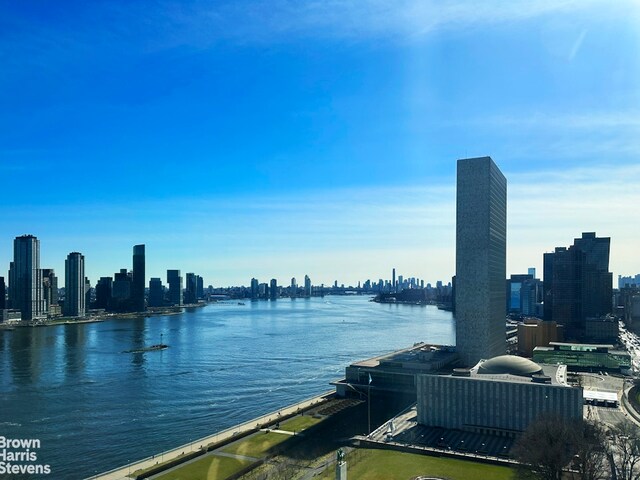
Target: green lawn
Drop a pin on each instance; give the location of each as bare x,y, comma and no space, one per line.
257,445
207,468
365,464
299,423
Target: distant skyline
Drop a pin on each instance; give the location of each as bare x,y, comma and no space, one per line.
277,139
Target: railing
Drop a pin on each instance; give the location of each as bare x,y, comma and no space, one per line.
231,432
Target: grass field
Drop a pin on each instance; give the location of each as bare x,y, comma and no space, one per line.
365,464
209,468
257,445
299,423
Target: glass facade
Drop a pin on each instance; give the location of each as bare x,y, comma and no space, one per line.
582,357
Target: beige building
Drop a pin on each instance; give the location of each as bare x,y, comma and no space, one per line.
537,333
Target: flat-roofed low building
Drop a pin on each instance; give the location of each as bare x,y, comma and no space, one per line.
395,373
502,396
10,316
583,356
600,398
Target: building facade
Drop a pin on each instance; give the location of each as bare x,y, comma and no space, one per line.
254,288
577,283
481,227
25,279
582,356
190,293
138,280
498,402
307,286
3,294
74,285
50,288
156,292
174,280
104,289
534,333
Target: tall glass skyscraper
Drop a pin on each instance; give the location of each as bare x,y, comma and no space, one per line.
138,281
578,284
25,278
74,288
481,231
175,287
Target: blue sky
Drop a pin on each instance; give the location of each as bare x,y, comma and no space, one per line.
278,138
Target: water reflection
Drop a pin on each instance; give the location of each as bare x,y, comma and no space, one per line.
74,349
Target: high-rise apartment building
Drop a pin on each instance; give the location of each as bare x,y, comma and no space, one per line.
50,288
393,280
74,285
294,288
273,289
307,286
156,292
578,284
481,228
104,289
254,288
199,287
138,280
25,278
87,293
175,287
121,288
514,292
190,292
3,294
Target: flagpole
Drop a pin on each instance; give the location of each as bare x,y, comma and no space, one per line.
369,408
369,405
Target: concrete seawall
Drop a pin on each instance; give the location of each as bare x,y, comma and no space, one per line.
122,473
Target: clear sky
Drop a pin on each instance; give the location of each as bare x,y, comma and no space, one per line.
283,138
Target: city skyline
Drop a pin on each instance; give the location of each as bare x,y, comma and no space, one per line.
311,138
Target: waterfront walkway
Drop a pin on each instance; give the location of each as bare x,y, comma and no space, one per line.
123,473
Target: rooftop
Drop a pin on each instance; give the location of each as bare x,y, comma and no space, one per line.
418,357
509,364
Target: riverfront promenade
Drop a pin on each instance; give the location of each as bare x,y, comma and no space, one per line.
123,473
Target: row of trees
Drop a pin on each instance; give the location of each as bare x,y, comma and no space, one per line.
551,444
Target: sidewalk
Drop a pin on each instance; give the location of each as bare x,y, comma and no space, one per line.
122,473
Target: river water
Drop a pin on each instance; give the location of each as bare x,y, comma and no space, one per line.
94,407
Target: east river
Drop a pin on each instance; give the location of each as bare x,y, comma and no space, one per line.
94,407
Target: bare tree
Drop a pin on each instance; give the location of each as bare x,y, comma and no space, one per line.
546,447
590,458
625,450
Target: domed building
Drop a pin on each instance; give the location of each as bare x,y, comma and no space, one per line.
509,365
501,395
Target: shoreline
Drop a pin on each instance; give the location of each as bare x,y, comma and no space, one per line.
99,318
219,438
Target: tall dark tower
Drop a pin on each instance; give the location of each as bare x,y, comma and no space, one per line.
138,283
393,280
577,283
175,287
481,248
74,285
26,292
3,293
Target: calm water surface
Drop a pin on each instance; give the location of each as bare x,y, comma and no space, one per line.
94,407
